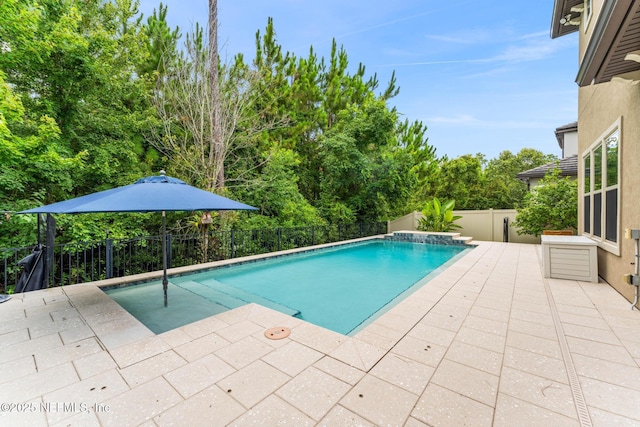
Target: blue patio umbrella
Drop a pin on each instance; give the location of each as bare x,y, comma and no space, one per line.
151,194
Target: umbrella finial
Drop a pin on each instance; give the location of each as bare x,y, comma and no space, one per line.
162,172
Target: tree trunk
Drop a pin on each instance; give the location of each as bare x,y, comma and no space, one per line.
217,145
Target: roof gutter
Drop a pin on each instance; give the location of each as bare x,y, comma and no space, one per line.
558,6
562,9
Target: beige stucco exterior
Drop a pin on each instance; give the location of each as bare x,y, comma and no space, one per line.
586,29
599,107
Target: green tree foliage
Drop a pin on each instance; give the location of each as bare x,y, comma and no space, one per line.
161,43
503,190
71,66
551,205
279,197
364,169
77,66
461,179
411,138
307,139
354,159
438,216
34,164
476,183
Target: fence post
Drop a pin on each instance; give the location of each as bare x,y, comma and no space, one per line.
279,235
313,235
108,258
50,240
5,283
339,232
169,250
233,243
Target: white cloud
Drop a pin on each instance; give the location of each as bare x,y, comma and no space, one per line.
382,25
463,37
485,36
452,61
398,52
532,47
504,70
458,120
530,51
535,35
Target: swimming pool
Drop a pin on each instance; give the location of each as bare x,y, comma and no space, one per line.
342,288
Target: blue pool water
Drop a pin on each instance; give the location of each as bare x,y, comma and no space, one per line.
340,288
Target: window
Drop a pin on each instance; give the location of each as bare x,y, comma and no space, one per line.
600,176
586,14
587,193
611,191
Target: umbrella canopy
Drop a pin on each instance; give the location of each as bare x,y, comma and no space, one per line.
151,194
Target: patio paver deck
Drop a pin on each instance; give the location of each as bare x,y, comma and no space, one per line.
487,342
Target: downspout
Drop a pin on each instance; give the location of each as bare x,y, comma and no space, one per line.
637,271
634,279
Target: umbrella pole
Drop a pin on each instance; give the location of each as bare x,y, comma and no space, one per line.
165,282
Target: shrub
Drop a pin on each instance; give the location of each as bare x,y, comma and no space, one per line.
438,217
552,205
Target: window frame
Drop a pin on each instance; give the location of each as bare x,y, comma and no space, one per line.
588,11
590,155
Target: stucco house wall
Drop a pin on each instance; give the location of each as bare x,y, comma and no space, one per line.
608,97
601,106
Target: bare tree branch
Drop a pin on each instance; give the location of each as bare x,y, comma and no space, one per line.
201,130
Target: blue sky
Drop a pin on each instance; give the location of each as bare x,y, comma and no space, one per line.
483,76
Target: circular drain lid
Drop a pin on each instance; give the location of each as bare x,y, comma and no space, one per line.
277,333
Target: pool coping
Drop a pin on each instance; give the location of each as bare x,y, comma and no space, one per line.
416,237
401,236
394,318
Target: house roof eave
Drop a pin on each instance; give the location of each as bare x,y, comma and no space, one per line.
568,167
561,130
614,35
562,9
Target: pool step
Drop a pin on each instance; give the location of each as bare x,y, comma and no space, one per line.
250,297
211,294
463,239
232,297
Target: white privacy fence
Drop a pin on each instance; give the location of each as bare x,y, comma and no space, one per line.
484,225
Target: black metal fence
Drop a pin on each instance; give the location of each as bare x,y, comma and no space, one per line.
73,263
